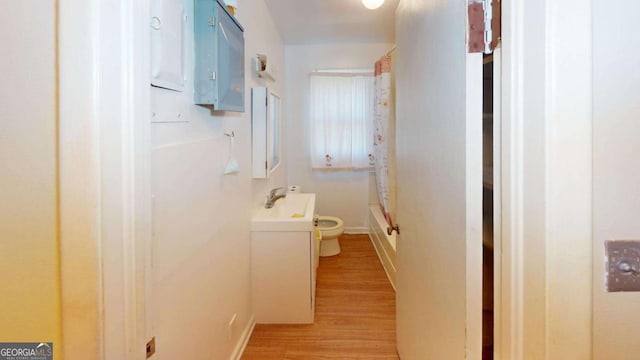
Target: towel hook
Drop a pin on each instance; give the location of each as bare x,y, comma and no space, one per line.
232,135
390,229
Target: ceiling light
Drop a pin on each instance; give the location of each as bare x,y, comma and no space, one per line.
372,4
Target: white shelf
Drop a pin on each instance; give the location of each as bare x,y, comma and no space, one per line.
265,75
262,67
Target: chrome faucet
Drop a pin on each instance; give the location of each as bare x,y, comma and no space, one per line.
273,197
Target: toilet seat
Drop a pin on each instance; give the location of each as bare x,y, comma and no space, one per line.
327,224
335,229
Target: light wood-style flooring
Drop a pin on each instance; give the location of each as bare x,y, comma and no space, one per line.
355,313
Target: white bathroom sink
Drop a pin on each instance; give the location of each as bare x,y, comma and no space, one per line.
291,213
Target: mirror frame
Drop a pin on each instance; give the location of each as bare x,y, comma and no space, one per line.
266,131
274,131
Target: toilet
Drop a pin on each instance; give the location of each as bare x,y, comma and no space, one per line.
330,228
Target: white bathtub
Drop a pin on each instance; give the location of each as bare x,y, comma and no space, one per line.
385,244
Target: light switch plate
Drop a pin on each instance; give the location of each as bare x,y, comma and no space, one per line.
622,265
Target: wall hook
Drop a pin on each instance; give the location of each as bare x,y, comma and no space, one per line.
390,229
232,135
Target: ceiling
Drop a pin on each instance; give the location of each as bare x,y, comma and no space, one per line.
332,21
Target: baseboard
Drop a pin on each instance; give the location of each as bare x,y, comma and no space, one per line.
356,230
244,340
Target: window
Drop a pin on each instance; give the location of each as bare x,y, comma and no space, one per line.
341,115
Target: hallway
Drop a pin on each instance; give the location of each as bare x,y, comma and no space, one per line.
355,312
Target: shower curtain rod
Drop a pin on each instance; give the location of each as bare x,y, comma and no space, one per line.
343,72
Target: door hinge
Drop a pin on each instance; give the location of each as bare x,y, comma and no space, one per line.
212,75
484,25
151,347
212,21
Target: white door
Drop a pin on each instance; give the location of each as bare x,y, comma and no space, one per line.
439,153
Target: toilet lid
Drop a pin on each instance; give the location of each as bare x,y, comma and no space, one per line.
324,223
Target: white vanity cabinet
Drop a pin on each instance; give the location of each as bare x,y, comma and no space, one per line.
283,274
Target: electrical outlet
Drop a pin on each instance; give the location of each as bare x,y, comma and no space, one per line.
151,347
622,265
232,322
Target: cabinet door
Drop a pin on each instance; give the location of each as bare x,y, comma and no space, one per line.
219,57
230,62
281,277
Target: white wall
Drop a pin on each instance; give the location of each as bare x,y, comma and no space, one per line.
29,257
201,246
342,194
616,170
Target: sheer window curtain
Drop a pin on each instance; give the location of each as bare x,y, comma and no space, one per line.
341,115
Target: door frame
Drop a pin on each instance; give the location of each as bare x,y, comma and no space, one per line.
80,252
497,196
113,322
545,222
104,177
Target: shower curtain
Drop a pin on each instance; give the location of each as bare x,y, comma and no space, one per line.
384,137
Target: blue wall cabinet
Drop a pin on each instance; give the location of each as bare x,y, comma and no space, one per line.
219,50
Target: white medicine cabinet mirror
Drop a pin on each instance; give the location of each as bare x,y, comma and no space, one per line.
266,127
